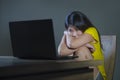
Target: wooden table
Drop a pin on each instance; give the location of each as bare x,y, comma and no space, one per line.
12,68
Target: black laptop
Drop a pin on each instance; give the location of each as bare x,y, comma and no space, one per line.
34,39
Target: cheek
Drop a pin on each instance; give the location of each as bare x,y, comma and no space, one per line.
79,32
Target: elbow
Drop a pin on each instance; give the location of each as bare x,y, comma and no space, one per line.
61,52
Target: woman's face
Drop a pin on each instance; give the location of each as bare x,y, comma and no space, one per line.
74,32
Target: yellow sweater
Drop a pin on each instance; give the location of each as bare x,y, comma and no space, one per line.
97,54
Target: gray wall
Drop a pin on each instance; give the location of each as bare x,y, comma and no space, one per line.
104,14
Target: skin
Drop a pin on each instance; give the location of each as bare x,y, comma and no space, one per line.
75,41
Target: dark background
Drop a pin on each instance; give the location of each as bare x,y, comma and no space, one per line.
104,14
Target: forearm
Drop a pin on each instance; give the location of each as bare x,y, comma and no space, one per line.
70,41
63,49
88,45
78,42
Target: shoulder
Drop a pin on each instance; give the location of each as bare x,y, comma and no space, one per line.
91,30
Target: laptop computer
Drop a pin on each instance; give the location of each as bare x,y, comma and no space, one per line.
34,39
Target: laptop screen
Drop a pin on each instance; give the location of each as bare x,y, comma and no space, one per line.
33,39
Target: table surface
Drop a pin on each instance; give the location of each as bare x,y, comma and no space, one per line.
10,65
13,61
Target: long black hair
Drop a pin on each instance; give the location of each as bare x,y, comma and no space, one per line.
79,20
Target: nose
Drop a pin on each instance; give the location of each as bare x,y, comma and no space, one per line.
74,34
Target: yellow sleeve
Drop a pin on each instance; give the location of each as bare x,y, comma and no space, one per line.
93,32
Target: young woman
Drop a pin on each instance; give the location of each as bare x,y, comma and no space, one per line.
81,38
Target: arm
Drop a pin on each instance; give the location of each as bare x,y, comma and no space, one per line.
63,49
80,41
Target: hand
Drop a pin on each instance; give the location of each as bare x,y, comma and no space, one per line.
69,38
65,32
90,47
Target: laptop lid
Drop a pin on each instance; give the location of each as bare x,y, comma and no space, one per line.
33,39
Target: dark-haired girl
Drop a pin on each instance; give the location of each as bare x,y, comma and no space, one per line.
81,38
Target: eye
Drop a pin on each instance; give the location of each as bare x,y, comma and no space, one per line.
70,30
